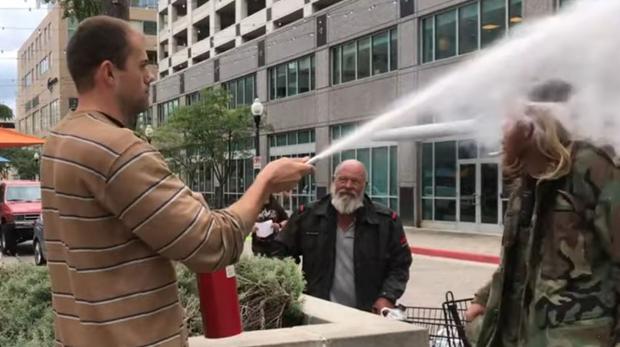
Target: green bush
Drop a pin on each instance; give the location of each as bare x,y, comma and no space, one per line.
26,317
269,297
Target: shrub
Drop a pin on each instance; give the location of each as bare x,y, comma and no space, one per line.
269,297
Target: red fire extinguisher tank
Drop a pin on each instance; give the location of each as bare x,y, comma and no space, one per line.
219,303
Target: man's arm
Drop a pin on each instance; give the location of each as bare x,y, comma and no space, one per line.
482,295
399,261
606,178
159,209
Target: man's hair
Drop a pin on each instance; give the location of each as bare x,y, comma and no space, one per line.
553,90
350,161
96,40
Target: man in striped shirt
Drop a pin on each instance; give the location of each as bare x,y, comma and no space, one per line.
116,217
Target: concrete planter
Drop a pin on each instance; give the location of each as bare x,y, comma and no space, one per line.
328,324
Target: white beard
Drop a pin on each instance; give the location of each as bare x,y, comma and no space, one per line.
345,204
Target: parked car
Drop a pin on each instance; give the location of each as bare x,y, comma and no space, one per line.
20,206
38,243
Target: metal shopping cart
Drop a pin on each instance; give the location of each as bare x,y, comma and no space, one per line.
445,324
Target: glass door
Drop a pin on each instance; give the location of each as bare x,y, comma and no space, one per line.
479,200
468,195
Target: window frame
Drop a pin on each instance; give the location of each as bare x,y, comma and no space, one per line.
336,54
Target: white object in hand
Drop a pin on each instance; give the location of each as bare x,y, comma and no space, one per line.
264,229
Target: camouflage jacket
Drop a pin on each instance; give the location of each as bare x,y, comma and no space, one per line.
558,283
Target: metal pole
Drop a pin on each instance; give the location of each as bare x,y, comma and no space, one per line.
257,141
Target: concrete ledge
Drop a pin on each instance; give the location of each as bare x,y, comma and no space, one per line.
328,324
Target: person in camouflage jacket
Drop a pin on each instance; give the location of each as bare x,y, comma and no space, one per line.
558,283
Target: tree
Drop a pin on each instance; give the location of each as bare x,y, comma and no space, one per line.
22,160
6,114
206,132
82,9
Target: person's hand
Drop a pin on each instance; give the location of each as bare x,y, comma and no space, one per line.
380,304
283,224
284,174
473,311
276,227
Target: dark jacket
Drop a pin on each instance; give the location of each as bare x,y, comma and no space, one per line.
381,252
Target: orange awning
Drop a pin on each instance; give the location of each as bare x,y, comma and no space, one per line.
13,138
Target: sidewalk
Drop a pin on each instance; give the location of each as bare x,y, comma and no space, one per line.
483,248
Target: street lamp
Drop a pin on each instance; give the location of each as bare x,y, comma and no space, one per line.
257,111
148,132
36,157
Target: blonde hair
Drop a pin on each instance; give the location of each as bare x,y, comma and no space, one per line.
552,140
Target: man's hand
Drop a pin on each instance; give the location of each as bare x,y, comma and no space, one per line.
284,174
380,304
473,311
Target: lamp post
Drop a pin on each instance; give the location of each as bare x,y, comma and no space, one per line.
148,132
36,157
257,111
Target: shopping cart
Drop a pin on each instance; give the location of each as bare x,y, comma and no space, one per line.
445,324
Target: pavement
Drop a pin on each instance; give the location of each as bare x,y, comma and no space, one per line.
473,247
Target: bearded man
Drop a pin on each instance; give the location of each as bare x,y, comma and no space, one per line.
354,251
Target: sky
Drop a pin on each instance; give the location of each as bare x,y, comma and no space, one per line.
18,19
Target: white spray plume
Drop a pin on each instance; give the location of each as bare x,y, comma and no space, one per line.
579,45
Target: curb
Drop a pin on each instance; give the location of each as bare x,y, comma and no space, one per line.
443,253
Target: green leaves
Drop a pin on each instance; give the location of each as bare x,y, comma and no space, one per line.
79,9
25,306
6,114
269,296
206,132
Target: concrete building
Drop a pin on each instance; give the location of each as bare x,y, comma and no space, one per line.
46,92
321,67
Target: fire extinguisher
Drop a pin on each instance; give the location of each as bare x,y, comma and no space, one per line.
219,304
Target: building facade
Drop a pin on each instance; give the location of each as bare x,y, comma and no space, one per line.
323,67
46,91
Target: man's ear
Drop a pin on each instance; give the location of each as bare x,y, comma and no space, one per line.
106,73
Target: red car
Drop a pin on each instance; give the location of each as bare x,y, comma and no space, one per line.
20,206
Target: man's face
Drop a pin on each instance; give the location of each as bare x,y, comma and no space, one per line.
132,89
349,182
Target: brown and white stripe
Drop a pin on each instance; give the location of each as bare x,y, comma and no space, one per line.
115,219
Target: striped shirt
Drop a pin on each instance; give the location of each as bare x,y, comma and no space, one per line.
115,219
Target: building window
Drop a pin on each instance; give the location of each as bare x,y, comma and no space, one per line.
43,65
240,177
54,113
28,79
145,118
295,144
144,3
292,138
381,165
36,122
365,56
165,110
439,180
72,25
561,3
242,91
192,98
467,28
45,118
291,78
150,27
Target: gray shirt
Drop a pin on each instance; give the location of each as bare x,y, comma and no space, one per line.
343,286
